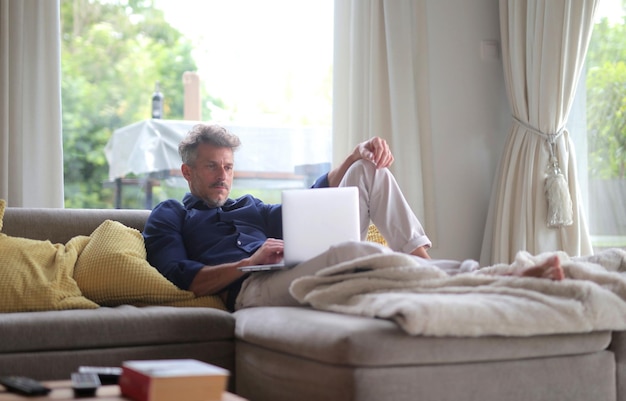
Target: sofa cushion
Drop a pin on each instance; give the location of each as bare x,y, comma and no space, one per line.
122,326
266,375
107,268
37,275
112,270
362,341
61,225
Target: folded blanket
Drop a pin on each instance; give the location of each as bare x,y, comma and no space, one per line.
425,300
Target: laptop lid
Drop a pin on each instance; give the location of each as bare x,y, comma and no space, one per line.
314,220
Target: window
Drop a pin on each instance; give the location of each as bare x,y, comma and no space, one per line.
265,71
270,63
598,127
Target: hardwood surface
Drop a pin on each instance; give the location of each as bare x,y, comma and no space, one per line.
62,390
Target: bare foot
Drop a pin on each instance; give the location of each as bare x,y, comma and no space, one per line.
551,269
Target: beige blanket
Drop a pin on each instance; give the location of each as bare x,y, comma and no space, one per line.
427,301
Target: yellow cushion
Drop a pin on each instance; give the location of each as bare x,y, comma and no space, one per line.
37,275
374,235
113,270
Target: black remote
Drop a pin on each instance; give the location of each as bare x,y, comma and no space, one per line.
23,385
85,384
106,374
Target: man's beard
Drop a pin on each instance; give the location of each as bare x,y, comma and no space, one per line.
218,202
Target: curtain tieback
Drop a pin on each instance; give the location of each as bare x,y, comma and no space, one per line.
560,210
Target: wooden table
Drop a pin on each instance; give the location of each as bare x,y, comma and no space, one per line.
62,390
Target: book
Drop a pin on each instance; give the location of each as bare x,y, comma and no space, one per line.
172,379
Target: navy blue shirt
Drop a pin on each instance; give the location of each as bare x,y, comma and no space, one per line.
182,238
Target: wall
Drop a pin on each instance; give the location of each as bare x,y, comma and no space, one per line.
469,120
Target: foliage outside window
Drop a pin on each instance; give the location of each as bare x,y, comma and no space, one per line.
114,51
112,55
606,130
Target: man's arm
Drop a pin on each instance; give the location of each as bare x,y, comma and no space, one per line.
165,247
375,150
213,279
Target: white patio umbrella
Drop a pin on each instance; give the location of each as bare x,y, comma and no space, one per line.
145,147
151,146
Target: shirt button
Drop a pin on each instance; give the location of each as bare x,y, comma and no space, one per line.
238,242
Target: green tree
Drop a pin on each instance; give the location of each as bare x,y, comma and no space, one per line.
112,54
606,100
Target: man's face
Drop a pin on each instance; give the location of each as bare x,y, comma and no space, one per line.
211,177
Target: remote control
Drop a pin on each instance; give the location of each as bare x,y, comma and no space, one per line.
23,385
106,374
85,384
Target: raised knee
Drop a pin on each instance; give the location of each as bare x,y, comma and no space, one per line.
364,167
362,164
363,174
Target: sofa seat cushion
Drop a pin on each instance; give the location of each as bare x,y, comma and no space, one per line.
122,326
339,339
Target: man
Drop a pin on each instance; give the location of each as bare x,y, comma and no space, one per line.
199,245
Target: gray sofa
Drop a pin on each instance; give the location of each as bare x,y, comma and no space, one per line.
298,353
52,344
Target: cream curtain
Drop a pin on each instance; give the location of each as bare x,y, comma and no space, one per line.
31,147
379,59
544,43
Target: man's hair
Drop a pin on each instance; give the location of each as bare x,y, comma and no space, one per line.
214,135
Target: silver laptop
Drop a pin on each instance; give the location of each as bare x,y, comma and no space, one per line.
314,220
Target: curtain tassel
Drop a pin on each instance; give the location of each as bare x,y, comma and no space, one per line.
560,211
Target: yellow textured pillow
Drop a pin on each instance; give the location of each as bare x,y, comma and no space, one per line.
37,275
374,235
112,270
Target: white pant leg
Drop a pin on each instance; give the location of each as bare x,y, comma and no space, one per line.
272,288
381,201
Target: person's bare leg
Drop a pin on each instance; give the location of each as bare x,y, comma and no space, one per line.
550,269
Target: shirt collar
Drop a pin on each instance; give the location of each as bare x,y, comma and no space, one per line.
193,202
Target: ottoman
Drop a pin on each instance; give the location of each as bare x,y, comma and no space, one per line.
298,353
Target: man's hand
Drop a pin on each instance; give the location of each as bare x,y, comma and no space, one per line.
270,252
213,279
377,151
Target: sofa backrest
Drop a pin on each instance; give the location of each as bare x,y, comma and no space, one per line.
60,225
